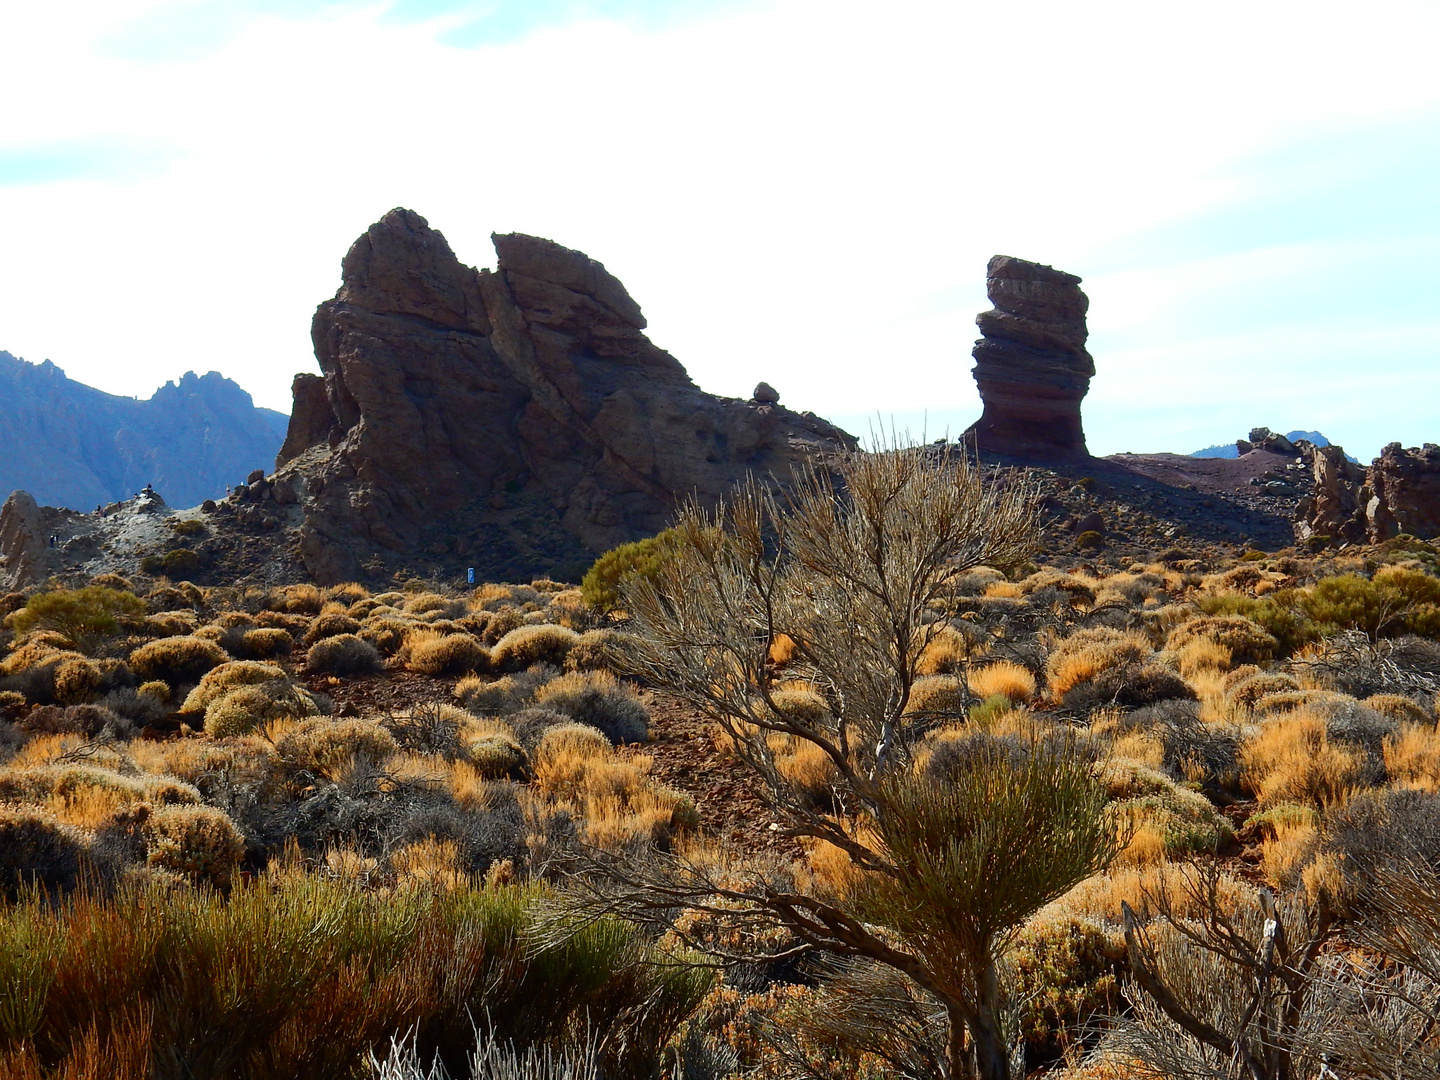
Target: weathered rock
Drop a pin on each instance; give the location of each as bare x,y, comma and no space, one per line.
1243,446
517,420
23,542
1031,365
1405,493
1336,511
765,394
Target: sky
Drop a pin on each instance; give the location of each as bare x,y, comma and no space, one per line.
800,191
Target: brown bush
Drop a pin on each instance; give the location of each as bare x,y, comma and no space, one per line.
386,632
344,654
601,650
177,660
333,748
1014,681
501,623
260,643
1248,692
1400,708
36,847
1086,653
938,695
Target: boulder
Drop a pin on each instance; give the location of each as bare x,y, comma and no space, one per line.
1031,365
516,420
23,542
765,394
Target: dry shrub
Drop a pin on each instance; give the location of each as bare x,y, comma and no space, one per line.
599,699
295,625
496,757
1289,848
563,753
169,624
86,720
1247,692
219,681
177,660
1005,677
1078,591
1412,758
938,696
1401,709
946,653
335,749
1202,655
36,847
1292,759
77,681
808,770
1163,818
529,645
329,625
507,694
302,599
1100,897
387,633
501,623
1086,653
348,593
261,643
200,842
1004,590
249,707
602,650
435,605
345,654
430,863
1247,641
448,654
567,607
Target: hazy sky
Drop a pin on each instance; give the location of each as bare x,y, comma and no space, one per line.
801,191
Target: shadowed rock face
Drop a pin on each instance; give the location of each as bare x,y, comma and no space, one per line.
1031,365
1405,492
515,420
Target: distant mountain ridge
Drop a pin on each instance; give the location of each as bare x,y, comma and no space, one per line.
71,445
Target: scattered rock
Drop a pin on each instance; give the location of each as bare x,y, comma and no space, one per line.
1031,365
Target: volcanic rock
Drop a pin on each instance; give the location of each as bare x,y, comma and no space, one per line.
1031,365
22,541
518,421
765,394
1405,492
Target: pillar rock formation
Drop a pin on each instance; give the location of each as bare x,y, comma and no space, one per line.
1031,365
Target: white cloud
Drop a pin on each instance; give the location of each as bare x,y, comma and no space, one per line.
801,192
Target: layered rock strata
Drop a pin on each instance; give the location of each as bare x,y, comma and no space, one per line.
516,420
1031,365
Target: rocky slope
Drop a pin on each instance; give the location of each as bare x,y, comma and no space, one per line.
71,445
1031,365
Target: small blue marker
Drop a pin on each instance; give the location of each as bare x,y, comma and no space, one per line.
470,575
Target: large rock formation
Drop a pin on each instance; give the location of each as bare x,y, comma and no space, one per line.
1399,493
71,445
1031,365
23,541
515,420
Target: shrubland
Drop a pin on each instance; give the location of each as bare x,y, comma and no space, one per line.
850,783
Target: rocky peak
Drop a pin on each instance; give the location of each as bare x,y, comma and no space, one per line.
516,420
1031,365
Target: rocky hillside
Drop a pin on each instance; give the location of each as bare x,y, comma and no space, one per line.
71,445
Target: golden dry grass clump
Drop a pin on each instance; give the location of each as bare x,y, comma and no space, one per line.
335,749
329,625
947,652
938,696
429,652
1004,678
1292,759
1086,653
528,645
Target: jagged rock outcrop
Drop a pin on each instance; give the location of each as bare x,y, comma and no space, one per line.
1399,493
1405,492
71,445
1031,365
515,420
23,541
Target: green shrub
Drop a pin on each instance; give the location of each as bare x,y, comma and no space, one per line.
177,660
1065,973
84,616
1277,614
187,526
344,654
599,699
1090,540
527,645
606,579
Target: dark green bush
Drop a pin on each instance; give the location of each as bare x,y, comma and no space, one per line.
85,616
